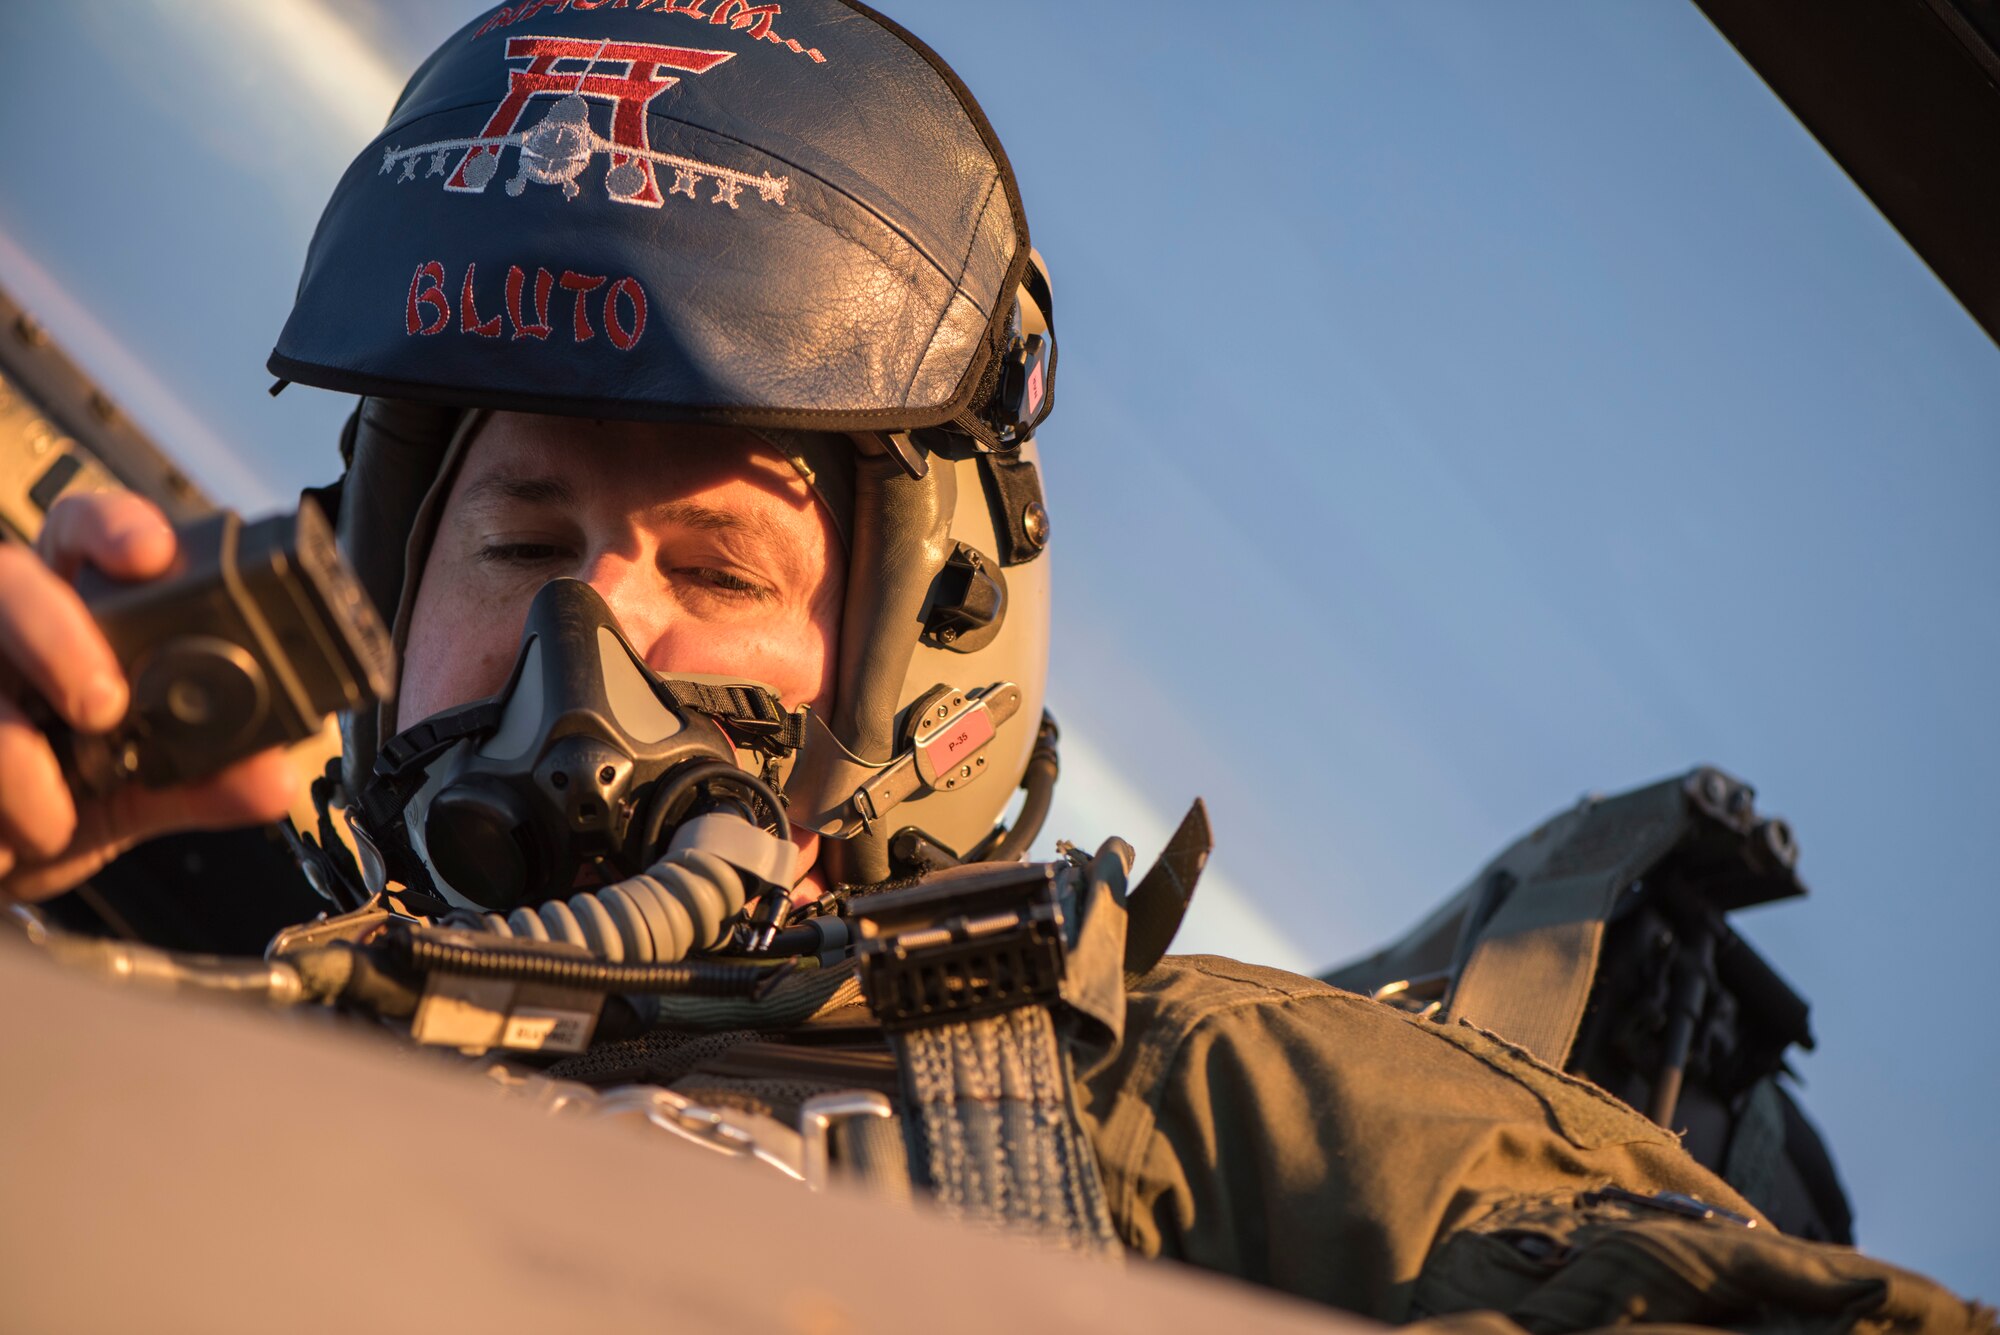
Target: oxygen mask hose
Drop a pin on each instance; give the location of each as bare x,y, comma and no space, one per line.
689,899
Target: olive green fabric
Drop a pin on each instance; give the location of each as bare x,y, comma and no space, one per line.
1558,1263
1276,1128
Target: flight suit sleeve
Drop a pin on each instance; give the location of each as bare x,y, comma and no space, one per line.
1591,1261
1273,1128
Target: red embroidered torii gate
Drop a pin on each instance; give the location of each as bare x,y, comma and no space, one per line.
629,94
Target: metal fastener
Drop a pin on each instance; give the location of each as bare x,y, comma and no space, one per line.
1035,524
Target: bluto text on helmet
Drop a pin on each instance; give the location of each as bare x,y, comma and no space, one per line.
521,309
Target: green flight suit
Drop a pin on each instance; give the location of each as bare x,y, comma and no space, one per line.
1273,1127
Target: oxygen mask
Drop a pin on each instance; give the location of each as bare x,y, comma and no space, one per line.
593,800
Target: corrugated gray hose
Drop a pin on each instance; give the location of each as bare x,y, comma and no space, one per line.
685,902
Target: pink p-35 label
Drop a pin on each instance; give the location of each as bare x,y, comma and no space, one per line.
957,740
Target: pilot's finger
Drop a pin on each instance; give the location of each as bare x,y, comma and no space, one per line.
37,817
120,532
48,634
253,791
250,792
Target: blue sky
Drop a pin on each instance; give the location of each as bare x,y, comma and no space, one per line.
1510,397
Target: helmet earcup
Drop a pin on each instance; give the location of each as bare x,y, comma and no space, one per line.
907,530
1017,652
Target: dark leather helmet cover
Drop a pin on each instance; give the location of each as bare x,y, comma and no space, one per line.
767,214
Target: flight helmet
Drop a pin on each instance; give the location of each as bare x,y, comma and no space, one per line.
791,218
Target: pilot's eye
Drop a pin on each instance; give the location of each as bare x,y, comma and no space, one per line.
726,582
519,553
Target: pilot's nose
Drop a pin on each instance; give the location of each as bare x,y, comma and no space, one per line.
633,591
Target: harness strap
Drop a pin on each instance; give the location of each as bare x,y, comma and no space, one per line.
1161,898
995,983
1536,933
993,1133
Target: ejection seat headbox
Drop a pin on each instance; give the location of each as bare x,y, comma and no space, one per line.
791,218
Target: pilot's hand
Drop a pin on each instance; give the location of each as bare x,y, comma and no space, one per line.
48,840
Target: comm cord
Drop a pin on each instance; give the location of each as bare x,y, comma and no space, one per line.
424,953
1039,782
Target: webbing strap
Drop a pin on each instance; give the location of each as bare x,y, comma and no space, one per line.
1529,975
993,1130
749,710
398,771
1160,900
423,740
1532,985
397,775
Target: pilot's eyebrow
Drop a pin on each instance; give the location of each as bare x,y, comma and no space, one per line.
552,489
532,489
755,525
693,514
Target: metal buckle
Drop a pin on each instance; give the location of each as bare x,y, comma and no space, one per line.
962,944
756,712
816,1121
728,1131
803,1154
740,1135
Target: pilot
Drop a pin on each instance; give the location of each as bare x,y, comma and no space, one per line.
708,340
